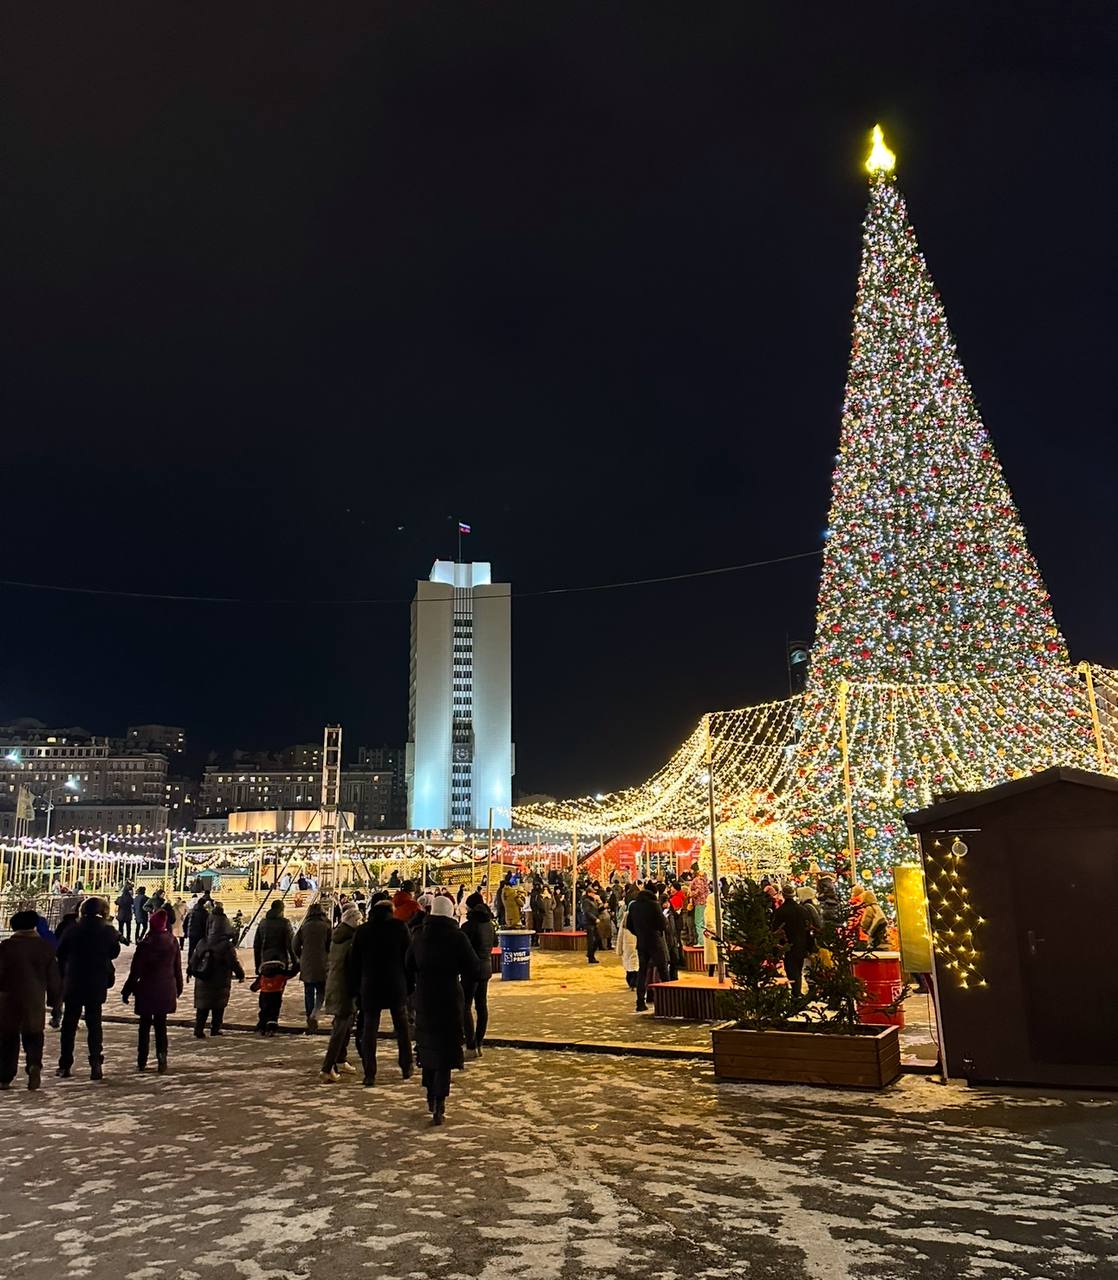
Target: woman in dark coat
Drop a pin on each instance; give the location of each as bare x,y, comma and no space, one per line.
440,956
213,966
156,979
481,933
312,943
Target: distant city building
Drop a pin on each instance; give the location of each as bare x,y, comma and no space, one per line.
44,760
389,760
227,788
116,819
459,760
155,737
181,796
366,793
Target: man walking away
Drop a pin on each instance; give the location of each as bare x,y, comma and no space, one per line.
591,909
794,923
85,958
197,925
124,906
645,920
379,980
140,912
29,981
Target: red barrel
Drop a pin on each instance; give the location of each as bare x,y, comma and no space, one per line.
881,974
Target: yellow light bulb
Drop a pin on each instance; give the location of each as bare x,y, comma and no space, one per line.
880,158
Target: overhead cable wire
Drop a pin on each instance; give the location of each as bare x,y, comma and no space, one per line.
394,600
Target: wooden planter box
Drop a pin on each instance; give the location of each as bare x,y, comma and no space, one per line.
567,941
868,1061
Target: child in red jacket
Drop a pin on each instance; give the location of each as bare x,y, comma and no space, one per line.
270,982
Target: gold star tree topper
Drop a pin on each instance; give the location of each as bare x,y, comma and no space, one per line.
881,160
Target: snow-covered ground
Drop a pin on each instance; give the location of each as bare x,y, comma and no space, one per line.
551,1166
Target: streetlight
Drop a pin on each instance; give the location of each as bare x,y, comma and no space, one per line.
71,784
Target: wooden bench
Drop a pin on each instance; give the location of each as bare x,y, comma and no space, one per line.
693,1001
495,960
566,941
695,959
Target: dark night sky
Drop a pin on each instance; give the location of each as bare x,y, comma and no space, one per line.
280,278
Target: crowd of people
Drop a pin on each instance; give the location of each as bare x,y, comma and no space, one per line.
424,960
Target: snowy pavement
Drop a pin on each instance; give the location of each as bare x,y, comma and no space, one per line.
567,1001
551,1166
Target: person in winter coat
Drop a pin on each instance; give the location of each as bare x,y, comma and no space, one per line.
547,901
213,966
699,890
792,922
645,920
274,939
404,905
481,933
219,925
140,911
513,900
830,908
440,958
124,906
626,947
873,923
604,925
535,905
198,924
338,1001
29,981
673,940
312,942
85,960
179,910
591,909
156,980
378,979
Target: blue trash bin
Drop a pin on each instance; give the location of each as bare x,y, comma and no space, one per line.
516,954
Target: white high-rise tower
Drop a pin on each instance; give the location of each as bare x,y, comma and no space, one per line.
460,753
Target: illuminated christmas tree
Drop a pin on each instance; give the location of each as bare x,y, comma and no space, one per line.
931,605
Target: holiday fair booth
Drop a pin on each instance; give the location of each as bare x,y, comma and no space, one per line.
1021,880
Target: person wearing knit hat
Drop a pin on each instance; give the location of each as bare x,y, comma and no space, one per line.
440,956
155,978
29,981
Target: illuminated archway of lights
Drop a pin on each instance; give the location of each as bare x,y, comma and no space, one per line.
778,767
752,752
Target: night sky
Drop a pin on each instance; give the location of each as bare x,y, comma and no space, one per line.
291,288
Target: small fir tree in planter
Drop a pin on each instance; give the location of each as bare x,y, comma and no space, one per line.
761,998
827,1045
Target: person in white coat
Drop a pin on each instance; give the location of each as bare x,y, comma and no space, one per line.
625,944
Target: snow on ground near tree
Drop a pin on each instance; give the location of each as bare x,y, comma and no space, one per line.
551,1166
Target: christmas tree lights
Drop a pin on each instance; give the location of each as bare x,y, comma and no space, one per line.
937,665
935,636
